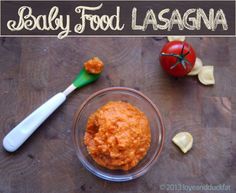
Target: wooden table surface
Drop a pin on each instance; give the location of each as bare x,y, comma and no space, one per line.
34,69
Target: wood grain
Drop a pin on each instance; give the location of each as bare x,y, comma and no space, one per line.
34,69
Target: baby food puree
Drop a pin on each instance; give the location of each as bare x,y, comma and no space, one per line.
117,135
94,66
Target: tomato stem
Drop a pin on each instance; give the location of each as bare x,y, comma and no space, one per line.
171,54
182,50
173,66
181,58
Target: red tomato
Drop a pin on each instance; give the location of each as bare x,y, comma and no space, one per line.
177,58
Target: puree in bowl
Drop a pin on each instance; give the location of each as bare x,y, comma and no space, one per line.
117,135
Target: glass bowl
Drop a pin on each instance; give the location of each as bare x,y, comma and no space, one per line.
135,98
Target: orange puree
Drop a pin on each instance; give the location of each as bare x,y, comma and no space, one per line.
117,135
94,66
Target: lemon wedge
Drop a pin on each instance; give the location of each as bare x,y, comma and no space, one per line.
197,67
206,75
184,140
174,38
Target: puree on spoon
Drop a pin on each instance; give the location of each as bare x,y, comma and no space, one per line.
94,66
117,135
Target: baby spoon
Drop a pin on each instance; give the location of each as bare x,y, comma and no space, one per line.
17,136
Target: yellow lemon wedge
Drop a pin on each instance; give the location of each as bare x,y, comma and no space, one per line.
206,75
184,140
197,67
174,38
